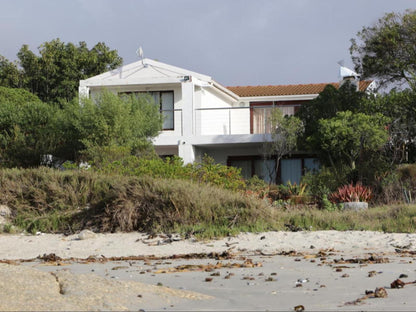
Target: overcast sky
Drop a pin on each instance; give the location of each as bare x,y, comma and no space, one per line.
236,42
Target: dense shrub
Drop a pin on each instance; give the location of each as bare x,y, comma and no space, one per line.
173,168
26,131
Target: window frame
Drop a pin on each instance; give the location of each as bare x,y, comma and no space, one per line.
278,174
162,111
270,105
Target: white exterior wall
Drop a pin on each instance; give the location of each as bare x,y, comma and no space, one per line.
240,121
216,115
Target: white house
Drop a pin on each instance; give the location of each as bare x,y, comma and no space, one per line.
203,117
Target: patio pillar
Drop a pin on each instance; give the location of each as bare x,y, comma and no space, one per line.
186,151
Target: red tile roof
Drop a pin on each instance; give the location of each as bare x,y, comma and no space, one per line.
313,88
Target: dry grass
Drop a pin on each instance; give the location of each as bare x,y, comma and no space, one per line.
48,200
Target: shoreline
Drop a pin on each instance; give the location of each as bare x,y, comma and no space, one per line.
87,244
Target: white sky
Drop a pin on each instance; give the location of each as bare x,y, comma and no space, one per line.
237,42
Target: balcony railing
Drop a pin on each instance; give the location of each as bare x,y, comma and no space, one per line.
223,121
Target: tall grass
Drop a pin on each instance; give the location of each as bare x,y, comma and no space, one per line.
49,200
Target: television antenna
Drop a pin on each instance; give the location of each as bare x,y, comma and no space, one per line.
345,71
140,54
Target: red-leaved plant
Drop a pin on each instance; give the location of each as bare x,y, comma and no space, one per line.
351,193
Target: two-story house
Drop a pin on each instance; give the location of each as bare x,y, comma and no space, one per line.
201,116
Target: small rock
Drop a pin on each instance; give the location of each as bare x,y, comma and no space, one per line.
86,234
5,211
403,276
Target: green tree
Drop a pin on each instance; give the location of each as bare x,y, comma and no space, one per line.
25,128
399,107
98,127
285,131
386,49
348,137
9,74
328,103
54,74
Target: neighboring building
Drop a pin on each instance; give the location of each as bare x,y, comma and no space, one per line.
203,117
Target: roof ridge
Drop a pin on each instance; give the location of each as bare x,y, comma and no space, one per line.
284,85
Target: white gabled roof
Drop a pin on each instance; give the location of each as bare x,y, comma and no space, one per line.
145,71
148,72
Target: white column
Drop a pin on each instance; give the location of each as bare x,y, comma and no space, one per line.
186,151
83,91
188,108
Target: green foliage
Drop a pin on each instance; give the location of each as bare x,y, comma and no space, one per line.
285,131
120,121
348,137
205,172
385,50
400,108
25,128
169,168
328,103
407,180
54,74
17,96
209,172
256,184
105,126
327,205
300,189
325,181
9,74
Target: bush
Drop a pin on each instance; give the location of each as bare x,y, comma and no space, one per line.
49,200
324,182
205,172
25,128
208,171
351,193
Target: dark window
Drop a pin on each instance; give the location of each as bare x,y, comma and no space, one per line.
290,169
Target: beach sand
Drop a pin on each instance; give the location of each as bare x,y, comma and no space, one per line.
272,271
